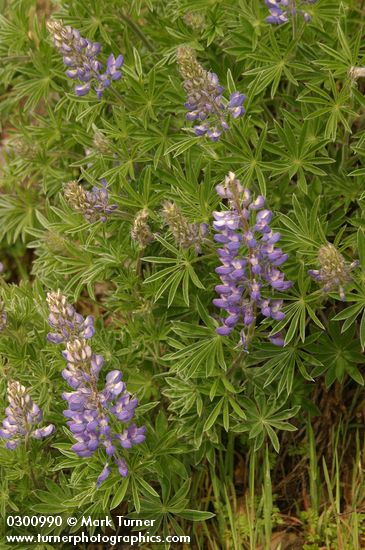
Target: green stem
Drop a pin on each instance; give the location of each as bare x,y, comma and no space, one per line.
7,58
139,263
135,28
117,95
294,18
29,462
21,269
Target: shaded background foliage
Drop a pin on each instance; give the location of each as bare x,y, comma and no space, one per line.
215,414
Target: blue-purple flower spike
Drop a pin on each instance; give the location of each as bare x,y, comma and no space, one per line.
22,415
282,10
91,411
249,259
80,57
205,97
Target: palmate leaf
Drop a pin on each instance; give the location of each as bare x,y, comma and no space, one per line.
280,365
340,58
247,156
339,354
308,232
276,63
189,401
263,417
334,108
18,214
298,154
171,502
180,272
203,355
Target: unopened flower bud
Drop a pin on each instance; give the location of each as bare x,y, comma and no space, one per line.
141,232
92,204
334,271
186,234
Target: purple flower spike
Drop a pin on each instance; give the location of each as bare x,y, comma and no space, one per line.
22,415
244,229
80,56
205,97
91,412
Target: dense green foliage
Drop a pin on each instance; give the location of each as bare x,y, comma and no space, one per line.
219,419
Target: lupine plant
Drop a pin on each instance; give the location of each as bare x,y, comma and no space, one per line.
182,270
90,410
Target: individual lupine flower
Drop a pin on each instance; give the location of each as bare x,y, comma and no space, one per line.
205,97
277,339
249,259
67,324
282,10
186,234
122,467
141,232
3,316
92,204
132,436
104,474
22,415
80,57
92,412
334,271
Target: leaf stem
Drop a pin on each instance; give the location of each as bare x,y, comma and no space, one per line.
29,462
135,28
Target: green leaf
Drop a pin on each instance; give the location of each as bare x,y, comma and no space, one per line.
362,330
195,515
213,415
361,247
120,493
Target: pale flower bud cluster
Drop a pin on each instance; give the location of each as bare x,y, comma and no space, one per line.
93,205
186,234
334,272
141,232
